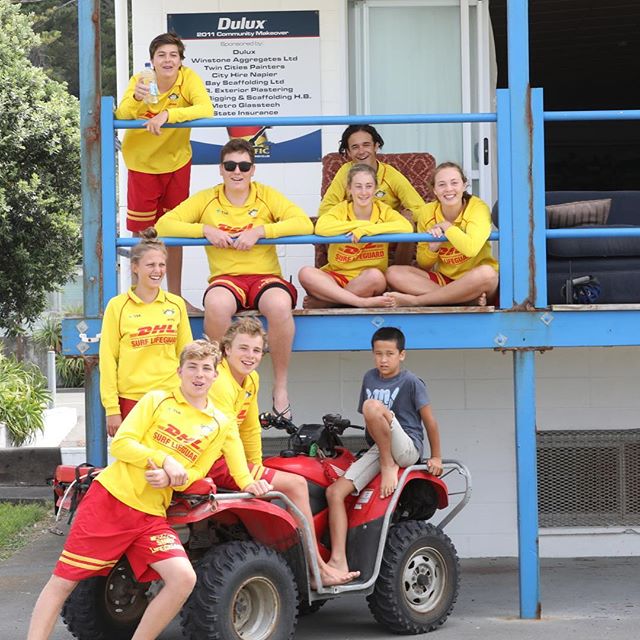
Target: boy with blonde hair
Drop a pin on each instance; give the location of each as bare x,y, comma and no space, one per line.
168,441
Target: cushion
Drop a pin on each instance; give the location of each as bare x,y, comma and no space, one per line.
573,214
416,167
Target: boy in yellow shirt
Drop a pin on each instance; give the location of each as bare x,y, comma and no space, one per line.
233,216
235,392
158,159
169,440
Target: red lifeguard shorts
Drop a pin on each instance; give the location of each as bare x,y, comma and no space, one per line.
248,289
341,280
438,278
126,404
219,473
105,529
150,195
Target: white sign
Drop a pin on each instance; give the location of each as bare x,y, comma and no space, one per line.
256,64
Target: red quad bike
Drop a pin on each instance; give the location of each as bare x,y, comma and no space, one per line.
255,564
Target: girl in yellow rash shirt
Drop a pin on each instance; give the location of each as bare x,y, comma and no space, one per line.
460,270
143,332
354,275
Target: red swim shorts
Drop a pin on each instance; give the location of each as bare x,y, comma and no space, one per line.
105,529
150,195
248,289
222,478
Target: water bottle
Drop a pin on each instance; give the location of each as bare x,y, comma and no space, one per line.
148,77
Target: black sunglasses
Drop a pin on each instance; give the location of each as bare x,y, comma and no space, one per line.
230,165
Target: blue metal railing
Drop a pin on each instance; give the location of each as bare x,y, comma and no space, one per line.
308,239
109,214
299,121
575,116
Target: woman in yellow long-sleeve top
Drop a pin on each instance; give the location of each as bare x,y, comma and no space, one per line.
143,332
354,275
460,270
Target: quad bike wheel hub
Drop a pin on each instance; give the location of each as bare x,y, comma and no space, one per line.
424,579
256,609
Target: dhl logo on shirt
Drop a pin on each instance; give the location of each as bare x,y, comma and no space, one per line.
158,328
369,251
230,229
451,255
157,334
172,437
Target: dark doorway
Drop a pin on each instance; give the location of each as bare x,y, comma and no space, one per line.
584,54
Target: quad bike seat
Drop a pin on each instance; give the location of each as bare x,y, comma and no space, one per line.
202,487
68,473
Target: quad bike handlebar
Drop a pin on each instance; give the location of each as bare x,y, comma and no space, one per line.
310,439
332,422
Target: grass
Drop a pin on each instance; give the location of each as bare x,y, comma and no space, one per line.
19,523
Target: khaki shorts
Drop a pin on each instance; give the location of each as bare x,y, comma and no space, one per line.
366,468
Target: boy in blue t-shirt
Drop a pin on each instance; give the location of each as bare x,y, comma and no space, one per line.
395,405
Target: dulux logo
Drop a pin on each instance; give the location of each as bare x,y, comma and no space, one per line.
228,23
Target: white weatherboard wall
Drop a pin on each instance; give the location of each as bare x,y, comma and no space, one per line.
471,391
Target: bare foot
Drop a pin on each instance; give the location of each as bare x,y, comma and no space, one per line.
389,480
309,302
339,566
402,299
191,310
379,301
482,300
331,577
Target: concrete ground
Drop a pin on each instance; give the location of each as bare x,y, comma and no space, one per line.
584,598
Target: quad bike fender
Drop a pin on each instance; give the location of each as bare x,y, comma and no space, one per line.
369,506
265,522
321,471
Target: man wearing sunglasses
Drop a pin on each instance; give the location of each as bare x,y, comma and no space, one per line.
233,216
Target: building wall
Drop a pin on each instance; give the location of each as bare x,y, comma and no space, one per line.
471,391
472,396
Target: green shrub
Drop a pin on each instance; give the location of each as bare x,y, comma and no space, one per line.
69,371
23,397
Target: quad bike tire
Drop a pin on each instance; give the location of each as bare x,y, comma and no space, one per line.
106,607
419,579
244,591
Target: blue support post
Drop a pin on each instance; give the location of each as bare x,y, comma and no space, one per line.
109,212
89,44
526,237
521,153
505,213
538,182
524,377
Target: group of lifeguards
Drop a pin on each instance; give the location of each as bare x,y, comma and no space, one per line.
180,409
